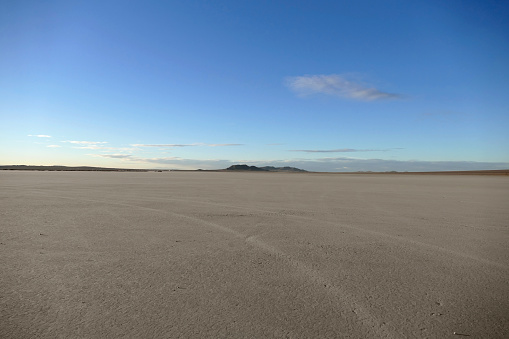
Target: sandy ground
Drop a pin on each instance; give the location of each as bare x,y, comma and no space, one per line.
253,255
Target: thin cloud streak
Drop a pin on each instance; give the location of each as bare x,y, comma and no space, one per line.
163,145
114,156
97,147
337,85
40,135
85,142
184,145
174,162
53,146
340,150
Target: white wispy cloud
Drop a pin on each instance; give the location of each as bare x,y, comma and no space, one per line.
339,150
99,147
164,145
170,162
114,156
133,158
173,162
184,145
338,85
40,135
85,142
53,146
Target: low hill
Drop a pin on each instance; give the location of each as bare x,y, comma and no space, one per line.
282,169
264,169
244,168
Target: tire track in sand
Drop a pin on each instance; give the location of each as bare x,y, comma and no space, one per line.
371,324
399,239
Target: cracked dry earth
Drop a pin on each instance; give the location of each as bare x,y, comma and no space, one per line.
253,255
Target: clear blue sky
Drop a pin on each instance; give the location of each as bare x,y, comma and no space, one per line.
320,85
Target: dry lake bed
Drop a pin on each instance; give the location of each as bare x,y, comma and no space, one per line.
253,255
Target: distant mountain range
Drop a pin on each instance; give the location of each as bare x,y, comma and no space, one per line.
89,168
237,168
66,168
264,169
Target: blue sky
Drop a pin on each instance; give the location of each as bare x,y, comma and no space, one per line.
320,85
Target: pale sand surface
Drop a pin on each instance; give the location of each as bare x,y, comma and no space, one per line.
252,255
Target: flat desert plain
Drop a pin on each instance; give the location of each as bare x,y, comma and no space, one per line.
253,255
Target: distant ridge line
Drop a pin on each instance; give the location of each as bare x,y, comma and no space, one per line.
68,168
245,167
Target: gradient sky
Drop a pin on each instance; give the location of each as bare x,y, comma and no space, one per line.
320,85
